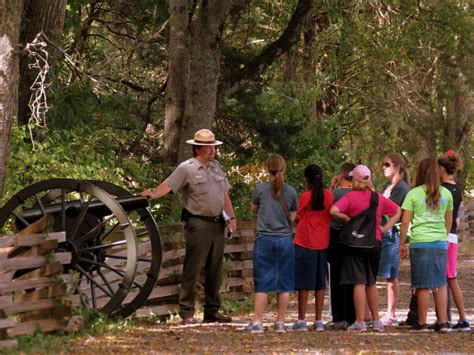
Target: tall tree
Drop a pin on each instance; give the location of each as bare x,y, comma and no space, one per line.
10,17
195,41
199,73
178,73
45,16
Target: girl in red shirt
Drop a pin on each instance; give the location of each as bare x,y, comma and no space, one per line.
311,241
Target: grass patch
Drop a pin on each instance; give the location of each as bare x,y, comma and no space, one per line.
238,306
95,324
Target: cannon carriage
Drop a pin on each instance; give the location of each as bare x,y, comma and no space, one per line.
111,235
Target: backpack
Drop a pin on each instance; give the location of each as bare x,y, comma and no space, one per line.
359,233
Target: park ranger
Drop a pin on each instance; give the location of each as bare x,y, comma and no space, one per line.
203,187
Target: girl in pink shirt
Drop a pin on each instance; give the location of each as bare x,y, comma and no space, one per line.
360,268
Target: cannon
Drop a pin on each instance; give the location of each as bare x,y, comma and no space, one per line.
113,239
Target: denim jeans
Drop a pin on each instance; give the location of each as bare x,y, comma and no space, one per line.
389,258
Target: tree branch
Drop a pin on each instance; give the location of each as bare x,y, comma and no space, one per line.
259,64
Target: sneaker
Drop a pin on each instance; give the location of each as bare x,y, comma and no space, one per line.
378,326
462,326
279,327
342,325
216,318
189,320
253,327
444,328
318,326
298,326
357,327
407,324
420,328
390,322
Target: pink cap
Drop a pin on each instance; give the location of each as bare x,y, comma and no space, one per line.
361,173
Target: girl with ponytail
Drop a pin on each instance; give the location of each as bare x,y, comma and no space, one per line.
311,242
275,205
396,188
449,163
429,209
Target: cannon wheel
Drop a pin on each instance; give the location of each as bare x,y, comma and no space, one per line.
149,251
96,258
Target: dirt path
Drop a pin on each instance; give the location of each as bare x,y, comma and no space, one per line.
146,337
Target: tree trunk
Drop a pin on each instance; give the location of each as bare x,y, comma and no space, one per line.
45,16
458,131
10,17
201,93
178,73
236,79
194,70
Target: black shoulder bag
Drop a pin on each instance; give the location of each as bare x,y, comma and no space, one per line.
359,233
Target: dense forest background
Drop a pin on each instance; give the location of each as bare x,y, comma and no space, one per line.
316,81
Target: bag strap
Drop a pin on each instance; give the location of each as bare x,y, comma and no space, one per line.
374,200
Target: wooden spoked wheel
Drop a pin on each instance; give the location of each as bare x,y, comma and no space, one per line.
99,235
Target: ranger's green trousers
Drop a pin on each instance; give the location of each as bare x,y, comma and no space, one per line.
204,247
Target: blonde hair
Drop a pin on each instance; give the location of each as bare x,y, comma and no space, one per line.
276,166
358,185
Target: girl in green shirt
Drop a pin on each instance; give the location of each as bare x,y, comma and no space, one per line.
429,209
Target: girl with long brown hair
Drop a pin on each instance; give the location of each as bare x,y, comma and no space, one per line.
429,209
275,205
394,170
449,163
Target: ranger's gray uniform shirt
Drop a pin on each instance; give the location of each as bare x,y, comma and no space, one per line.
202,191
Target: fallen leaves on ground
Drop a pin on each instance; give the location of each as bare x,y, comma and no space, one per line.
203,338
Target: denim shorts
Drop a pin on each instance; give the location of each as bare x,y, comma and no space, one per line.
310,269
428,267
274,264
389,258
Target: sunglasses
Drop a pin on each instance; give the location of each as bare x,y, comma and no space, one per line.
388,165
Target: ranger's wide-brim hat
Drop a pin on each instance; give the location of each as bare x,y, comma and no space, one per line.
204,137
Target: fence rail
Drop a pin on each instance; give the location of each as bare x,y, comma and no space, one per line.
30,285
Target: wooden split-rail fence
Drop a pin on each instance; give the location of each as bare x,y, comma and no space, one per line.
237,280
31,287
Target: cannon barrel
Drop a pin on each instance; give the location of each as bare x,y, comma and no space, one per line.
72,208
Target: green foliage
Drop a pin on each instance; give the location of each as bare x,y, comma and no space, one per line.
96,324
39,342
70,153
366,78
238,306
